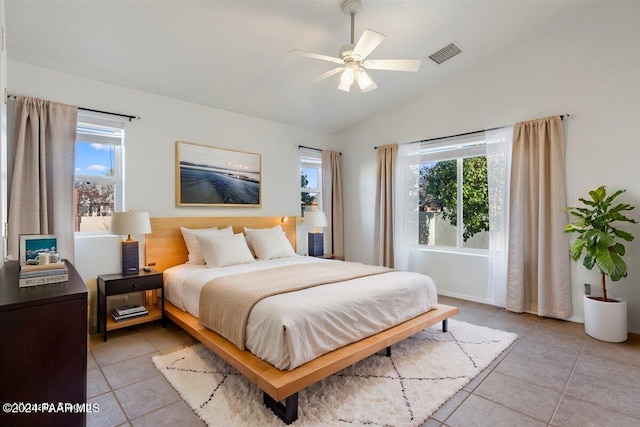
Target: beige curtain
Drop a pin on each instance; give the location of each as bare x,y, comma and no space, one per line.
41,199
332,203
538,278
383,226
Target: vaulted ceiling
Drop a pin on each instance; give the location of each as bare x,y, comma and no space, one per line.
233,55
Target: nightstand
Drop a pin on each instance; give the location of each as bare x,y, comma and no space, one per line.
118,284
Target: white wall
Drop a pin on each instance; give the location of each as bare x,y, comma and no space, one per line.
588,67
150,152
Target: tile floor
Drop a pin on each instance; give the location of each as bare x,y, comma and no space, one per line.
554,375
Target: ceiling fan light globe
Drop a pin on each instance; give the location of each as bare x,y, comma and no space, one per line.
344,86
369,88
365,82
348,76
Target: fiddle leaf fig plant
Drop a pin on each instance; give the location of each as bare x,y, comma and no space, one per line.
598,238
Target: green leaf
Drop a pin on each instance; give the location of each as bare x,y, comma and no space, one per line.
587,202
591,237
612,264
622,207
623,235
619,248
589,261
613,196
604,240
598,194
576,248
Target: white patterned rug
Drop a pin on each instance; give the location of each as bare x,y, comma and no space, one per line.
423,372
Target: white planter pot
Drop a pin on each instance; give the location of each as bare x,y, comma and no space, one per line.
605,321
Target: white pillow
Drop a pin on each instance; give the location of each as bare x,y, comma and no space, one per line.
247,230
224,250
193,247
270,243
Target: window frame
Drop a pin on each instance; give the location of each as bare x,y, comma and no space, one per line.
313,160
453,148
117,139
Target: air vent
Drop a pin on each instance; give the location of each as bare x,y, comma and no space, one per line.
445,53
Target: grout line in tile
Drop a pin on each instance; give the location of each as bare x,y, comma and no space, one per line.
566,384
113,392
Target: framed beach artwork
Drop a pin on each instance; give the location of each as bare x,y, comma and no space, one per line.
33,244
210,176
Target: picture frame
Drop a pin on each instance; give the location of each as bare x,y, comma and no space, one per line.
212,176
32,244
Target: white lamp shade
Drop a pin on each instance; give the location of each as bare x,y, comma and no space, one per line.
130,223
315,219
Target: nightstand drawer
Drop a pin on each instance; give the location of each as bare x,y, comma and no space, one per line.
133,284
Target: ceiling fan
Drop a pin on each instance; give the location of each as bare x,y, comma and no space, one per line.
353,57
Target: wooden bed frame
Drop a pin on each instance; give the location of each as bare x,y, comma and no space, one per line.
165,248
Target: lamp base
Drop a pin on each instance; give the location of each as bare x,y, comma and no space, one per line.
130,257
316,244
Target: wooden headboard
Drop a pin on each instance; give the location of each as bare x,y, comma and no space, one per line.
165,247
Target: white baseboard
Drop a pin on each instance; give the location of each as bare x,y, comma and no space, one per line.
467,297
575,319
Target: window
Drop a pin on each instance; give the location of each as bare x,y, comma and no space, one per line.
98,173
453,194
310,180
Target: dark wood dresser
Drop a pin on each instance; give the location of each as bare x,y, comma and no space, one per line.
43,351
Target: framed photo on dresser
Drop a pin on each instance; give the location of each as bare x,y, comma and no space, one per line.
33,244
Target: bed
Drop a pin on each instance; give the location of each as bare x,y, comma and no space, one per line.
275,354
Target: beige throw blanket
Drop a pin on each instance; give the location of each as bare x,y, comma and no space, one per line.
225,302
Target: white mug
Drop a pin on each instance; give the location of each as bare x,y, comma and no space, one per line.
43,258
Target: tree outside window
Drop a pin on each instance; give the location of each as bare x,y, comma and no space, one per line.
445,222
98,183
310,182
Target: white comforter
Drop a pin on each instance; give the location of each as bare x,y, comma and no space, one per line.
290,329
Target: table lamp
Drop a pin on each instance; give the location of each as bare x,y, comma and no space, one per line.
130,223
315,219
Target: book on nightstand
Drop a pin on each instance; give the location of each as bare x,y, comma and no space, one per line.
129,309
140,312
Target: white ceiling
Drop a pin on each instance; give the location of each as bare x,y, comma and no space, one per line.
233,55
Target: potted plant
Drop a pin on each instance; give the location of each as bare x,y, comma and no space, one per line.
600,241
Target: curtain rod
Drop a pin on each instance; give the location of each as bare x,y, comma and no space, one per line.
468,133
127,116
311,148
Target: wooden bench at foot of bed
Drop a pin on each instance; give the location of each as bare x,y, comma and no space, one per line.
280,385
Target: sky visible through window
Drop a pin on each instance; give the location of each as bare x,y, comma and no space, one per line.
94,159
312,177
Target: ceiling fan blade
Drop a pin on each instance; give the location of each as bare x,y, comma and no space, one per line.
393,64
368,41
325,75
316,56
365,82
